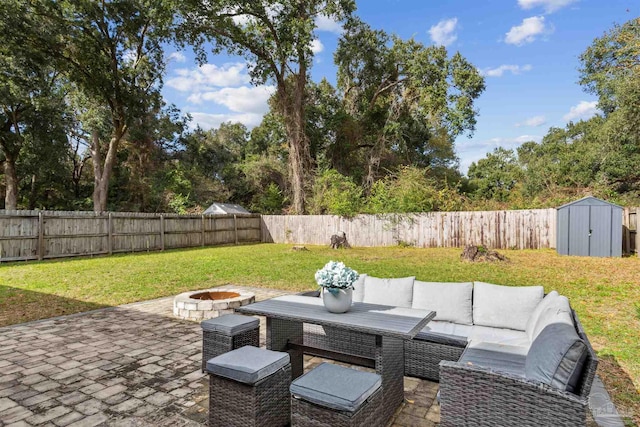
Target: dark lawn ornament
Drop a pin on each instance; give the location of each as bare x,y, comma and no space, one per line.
339,241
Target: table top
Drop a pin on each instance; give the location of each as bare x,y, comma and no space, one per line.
368,318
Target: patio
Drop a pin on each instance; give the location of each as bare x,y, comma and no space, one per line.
132,365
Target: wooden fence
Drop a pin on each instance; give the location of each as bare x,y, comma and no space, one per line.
27,235
630,236
518,229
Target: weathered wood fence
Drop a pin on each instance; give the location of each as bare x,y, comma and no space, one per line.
518,229
630,236
27,235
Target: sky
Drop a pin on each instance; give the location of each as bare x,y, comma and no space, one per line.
527,50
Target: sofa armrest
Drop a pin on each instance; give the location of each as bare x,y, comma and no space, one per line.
484,397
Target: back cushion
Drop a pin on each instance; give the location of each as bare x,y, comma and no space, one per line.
557,357
504,306
558,311
358,289
531,322
396,292
450,301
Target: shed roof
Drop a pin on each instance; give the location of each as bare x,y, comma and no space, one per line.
225,209
589,201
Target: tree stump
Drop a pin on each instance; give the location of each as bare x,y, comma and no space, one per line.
474,253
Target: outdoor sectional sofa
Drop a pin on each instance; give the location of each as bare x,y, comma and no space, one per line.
503,355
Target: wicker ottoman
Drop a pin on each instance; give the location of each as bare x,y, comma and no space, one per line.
331,395
226,333
249,386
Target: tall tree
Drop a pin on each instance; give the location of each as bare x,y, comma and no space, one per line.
112,51
408,101
32,106
275,37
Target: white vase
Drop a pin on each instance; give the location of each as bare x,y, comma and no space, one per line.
339,302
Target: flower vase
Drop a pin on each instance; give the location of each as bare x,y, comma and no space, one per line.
337,300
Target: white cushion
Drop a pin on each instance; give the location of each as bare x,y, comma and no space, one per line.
558,311
396,292
499,348
533,319
450,301
448,328
358,289
504,306
501,336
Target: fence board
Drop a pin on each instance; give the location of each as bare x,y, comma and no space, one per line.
26,235
521,229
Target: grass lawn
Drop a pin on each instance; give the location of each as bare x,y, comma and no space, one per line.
604,292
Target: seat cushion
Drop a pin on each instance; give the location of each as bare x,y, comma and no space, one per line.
450,301
336,387
445,333
230,324
557,357
396,292
499,336
500,348
504,306
358,289
535,315
492,358
248,364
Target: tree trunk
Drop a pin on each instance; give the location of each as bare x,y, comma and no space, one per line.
102,172
292,108
11,181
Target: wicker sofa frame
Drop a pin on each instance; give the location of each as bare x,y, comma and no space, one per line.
476,396
472,395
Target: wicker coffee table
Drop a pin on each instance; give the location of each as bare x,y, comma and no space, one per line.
389,326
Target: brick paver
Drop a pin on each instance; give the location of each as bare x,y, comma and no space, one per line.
129,365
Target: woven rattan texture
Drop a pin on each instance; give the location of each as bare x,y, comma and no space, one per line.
308,414
216,343
267,403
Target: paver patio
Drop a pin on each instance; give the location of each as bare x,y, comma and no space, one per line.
132,365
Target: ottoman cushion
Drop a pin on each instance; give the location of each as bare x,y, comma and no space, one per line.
336,387
248,364
230,324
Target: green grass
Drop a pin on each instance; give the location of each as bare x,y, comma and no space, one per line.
604,292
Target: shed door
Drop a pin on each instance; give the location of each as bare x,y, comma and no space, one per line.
579,230
600,231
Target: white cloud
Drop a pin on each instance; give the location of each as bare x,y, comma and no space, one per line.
443,33
244,99
549,6
177,56
316,46
208,76
582,111
527,31
534,121
324,23
210,121
499,71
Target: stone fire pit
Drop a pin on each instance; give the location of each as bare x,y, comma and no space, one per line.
210,303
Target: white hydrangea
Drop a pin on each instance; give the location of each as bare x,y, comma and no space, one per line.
335,275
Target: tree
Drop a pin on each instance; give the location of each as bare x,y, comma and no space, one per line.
112,52
32,107
275,37
496,175
408,102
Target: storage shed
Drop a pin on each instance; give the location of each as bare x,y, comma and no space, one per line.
589,227
225,209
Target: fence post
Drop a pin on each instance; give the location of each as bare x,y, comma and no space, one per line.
637,234
235,227
202,238
161,232
110,231
40,236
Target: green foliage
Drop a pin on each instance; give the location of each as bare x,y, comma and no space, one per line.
411,190
495,177
335,194
269,202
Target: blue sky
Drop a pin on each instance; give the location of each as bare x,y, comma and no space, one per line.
528,51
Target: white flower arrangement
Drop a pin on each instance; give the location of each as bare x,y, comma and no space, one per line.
335,276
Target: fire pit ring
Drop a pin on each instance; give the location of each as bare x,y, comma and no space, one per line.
210,303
